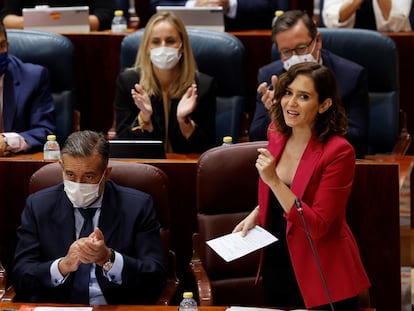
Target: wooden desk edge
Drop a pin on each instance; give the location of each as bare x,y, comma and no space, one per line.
170,158
16,306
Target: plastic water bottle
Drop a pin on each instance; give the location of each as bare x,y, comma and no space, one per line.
227,141
188,303
51,149
119,23
277,14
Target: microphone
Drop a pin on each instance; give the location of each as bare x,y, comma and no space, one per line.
315,256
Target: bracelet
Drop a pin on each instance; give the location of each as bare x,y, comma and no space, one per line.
142,125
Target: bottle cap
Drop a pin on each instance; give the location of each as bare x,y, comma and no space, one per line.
278,12
187,295
119,13
51,137
227,139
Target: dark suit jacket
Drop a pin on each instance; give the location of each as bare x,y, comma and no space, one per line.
203,137
251,14
28,107
322,182
353,89
103,9
129,225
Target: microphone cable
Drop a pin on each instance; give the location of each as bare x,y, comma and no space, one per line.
315,256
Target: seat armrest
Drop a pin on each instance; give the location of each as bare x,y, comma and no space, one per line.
204,294
8,295
172,284
404,139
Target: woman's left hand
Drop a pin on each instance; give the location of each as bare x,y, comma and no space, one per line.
266,166
188,103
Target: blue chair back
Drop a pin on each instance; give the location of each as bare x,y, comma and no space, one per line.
56,53
220,55
378,54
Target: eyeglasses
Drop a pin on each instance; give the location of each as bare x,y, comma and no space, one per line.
299,50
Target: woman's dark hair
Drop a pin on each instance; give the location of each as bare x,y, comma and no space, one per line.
333,120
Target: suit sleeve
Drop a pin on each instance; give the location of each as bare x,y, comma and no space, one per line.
261,119
144,270
31,271
357,109
41,111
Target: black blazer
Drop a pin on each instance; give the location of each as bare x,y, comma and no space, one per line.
203,137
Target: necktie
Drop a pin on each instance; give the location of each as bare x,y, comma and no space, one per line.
80,288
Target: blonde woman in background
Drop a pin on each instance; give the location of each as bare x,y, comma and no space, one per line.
163,96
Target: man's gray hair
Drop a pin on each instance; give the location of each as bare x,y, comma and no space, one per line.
86,143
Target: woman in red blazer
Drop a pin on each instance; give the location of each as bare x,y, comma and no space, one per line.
307,170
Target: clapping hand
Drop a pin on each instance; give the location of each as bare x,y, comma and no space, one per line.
187,103
267,95
142,101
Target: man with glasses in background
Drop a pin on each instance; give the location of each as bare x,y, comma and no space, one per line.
298,40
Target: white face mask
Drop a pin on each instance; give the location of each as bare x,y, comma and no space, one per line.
297,59
81,194
165,57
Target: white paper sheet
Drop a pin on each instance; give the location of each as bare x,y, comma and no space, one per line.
232,246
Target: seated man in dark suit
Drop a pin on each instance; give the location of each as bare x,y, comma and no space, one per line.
297,39
238,14
27,110
114,256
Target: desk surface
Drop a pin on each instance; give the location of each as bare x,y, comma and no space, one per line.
16,306
170,158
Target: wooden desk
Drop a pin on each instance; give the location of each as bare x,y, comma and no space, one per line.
16,306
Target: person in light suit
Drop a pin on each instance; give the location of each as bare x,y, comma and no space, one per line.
164,96
27,107
306,175
238,14
297,39
123,254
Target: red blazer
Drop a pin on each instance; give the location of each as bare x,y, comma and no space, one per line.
322,182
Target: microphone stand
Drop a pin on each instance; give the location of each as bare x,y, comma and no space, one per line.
315,256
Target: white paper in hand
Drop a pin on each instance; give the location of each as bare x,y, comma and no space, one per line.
232,246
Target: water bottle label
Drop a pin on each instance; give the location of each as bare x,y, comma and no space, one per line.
51,155
119,28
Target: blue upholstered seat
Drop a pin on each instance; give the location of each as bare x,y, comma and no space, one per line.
56,53
220,55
